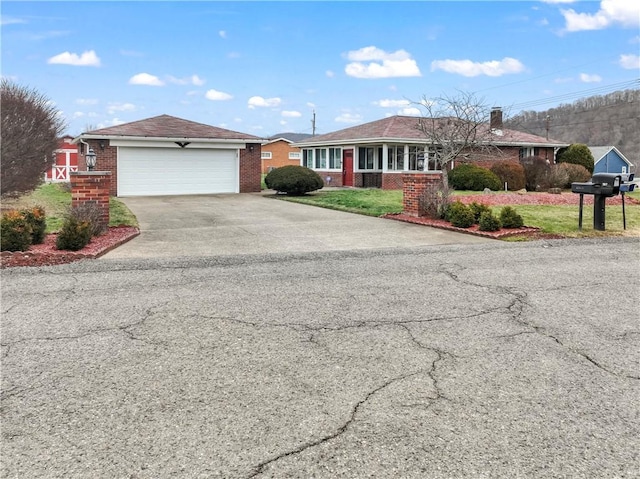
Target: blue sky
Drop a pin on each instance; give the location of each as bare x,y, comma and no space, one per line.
265,67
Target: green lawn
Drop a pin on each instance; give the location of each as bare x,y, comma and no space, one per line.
561,220
56,200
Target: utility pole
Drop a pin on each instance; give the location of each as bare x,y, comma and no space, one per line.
548,123
313,124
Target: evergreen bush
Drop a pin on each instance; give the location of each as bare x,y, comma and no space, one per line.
473,177
460,215
293,180
15,232
488,222
510,218
74,235
37,220
477,209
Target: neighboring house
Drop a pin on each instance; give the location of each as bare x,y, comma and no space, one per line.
277,151
165,155
66,160
377,153
608,159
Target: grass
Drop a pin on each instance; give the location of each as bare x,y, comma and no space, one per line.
560,220
56,200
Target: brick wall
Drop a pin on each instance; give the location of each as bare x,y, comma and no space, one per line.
279,155
336,177
392,181
92,187
250,168
414,185
106,160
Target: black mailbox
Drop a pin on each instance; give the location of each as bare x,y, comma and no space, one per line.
609,183
602,186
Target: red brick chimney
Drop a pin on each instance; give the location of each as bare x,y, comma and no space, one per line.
495,122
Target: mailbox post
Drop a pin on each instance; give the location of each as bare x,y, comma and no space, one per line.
601,186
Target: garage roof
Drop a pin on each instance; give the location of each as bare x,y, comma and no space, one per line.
167,126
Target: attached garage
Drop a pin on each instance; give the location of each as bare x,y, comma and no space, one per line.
176,171
165,155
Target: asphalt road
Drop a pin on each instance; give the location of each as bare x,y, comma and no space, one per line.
483,360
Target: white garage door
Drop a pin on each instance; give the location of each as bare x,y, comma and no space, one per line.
168,171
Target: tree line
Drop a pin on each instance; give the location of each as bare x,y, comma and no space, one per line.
602,120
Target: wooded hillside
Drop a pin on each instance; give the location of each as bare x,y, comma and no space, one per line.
603,120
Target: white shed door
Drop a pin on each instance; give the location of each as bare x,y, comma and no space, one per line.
176,171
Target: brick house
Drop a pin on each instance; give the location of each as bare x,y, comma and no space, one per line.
66,161
277,151
165,155
376,154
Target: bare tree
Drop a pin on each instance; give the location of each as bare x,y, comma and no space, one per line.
457,127
30,130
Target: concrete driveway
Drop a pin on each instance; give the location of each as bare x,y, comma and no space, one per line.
173,226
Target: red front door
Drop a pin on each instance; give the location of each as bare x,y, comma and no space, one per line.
347,168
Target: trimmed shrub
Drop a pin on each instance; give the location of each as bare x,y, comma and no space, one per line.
460,215
435,200
575,173
293,180
37,222
91,213
510,218
473,177
511,173
489,222
557,177
477,209
74,235
15,232
536,172
577,154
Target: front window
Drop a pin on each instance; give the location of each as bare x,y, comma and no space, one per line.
416,158
335,158
265,155
321,158
366,158
527,152
307,158
395,160
294,155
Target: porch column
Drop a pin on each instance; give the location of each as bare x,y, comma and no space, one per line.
385,157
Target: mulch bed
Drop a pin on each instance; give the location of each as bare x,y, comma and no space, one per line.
503,199
46,254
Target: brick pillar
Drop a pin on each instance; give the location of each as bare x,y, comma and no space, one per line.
413,186
250,168
92,187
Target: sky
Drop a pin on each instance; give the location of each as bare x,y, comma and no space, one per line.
267,67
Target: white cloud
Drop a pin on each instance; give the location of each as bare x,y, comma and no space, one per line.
222,33
291,114
330,74
391,103
349,118
469,68
11,21
381,64
216,95
145,79
86,59
192,80
586,78
625,13
77,114
630,62
114,107
410,111
87,101
258,101
283,123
